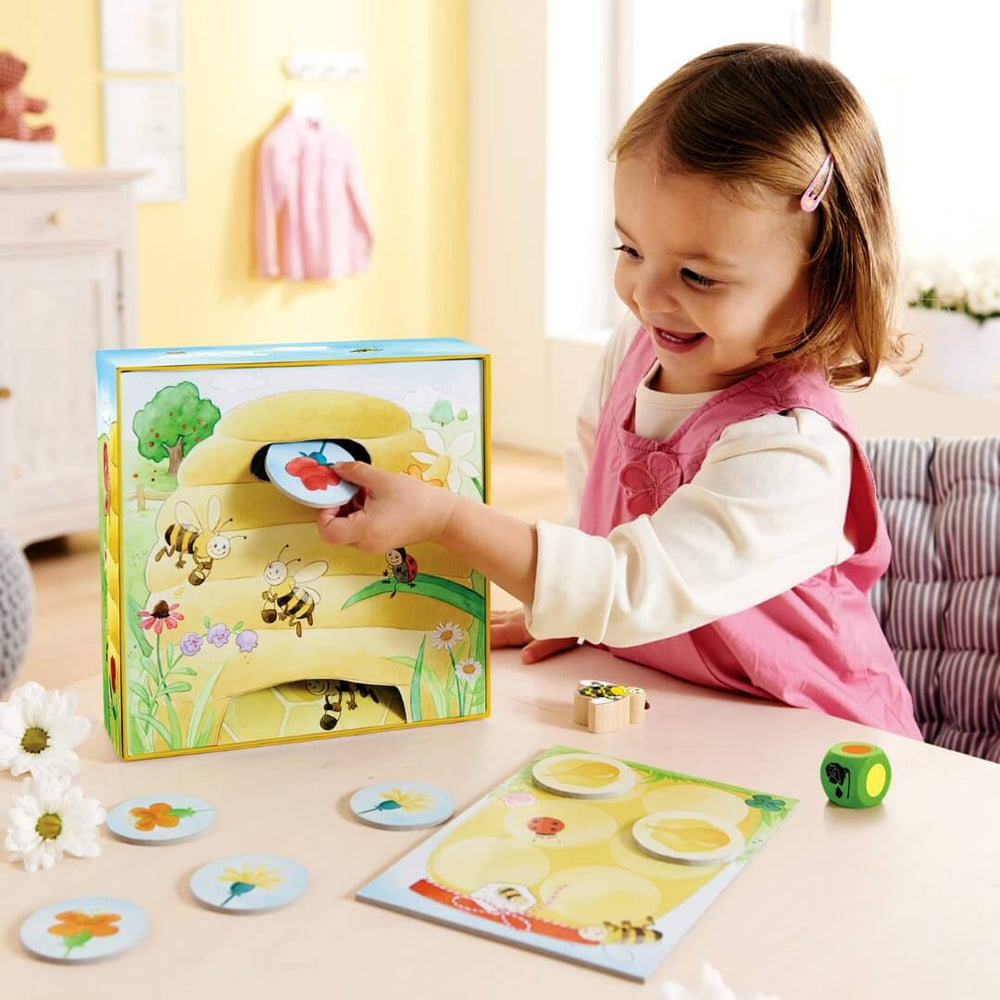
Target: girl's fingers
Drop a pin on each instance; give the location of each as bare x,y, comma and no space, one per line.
359,473
508,633
336,529
541,649
505,616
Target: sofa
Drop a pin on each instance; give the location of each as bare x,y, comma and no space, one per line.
939,602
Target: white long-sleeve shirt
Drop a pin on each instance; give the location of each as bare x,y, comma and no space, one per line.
764,512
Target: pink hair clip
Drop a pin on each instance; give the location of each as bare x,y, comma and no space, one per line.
813,194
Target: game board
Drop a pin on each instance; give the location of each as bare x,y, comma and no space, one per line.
566,875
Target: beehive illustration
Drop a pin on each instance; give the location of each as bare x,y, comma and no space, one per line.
352,664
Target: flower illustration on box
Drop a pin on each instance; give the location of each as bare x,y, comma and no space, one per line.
218,635
162,615
468,670
447,463
164,670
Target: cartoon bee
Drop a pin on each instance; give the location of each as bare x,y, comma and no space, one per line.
625,933
401,568
187,536
513,898
500,897
292,601
602,689
332,709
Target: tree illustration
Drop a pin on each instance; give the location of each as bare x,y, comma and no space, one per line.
173,422
441,412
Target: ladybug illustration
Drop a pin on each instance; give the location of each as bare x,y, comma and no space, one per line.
402,568
546,826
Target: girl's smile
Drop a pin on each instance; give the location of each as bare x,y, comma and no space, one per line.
670,340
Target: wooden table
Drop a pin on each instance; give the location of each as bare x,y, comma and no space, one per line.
899,901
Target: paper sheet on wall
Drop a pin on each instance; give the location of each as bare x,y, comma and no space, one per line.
141,36
144,130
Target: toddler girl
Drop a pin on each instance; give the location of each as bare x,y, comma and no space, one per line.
726,528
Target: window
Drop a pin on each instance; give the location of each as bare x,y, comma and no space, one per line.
925,73
604,56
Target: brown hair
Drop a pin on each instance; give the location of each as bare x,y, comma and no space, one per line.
765,116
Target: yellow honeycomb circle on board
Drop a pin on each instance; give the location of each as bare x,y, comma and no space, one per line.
583,825
697,798
625,852
465,865
592,894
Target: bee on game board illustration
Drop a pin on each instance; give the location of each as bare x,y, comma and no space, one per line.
623,933
188,536
287,598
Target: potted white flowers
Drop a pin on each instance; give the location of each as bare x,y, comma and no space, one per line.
954,308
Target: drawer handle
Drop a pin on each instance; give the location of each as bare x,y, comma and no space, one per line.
56,218
5,393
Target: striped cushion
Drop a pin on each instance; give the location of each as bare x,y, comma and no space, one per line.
939,602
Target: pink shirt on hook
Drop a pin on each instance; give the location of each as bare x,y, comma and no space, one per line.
312,210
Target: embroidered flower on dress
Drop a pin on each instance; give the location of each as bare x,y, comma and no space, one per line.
649,482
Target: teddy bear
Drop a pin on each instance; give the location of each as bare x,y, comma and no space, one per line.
14,103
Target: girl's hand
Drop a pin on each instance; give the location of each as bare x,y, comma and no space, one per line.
395,510
507,628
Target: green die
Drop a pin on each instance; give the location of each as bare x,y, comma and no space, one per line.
855,775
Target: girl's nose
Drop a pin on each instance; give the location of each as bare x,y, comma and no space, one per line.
652,295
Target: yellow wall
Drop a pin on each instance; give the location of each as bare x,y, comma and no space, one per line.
407,116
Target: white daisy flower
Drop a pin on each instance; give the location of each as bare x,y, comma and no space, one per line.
50,818
447,636
468,670
38,730
448,461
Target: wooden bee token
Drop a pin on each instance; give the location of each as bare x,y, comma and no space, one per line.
603,707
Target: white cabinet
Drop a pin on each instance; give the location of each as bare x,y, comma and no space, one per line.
67,289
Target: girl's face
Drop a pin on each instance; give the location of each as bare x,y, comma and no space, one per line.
712,280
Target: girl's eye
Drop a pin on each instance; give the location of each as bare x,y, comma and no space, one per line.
628,251
698,279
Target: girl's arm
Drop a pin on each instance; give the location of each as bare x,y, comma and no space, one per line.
401,510
764,513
